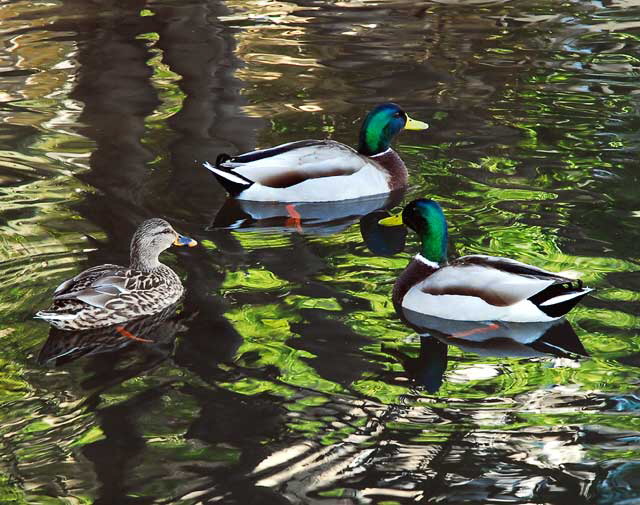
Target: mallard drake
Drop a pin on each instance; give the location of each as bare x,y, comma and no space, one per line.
475,287
112,294
322,170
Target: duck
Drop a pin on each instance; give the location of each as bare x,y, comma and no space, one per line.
322,170
475,287
109,294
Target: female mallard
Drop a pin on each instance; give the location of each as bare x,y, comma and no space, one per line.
322,170
111,294
477,287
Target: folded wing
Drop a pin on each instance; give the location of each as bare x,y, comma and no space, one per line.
290,164
497,281
95,286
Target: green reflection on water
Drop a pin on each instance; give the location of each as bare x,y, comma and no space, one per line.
252,279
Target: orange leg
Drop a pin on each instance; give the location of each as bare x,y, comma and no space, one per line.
126,334
294,219
482,329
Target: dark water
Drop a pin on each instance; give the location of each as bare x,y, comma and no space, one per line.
286,377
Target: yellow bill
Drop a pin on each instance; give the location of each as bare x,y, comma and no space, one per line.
391,220
414,124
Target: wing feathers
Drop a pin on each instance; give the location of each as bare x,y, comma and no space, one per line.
508,265
60,316
290,164
233,183
564,298
95,286
114,283
496,287
85,278
95,297
560,298
486,287
261,154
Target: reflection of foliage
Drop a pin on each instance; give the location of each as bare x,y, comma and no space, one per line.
10,493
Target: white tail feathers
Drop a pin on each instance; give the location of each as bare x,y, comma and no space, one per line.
563,298
54,316
226,175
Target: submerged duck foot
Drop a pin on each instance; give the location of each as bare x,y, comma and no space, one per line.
475,331
121,330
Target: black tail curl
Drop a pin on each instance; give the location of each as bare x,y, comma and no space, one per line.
565,288
222,157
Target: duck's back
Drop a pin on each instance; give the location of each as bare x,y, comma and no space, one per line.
478,288
290,164
84,279
111,294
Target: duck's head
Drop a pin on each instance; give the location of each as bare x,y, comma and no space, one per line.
151,238
381,125
426,218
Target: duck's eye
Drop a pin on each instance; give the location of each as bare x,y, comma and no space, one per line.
397,114
166,230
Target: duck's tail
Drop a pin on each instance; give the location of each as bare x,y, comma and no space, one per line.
233,182
56,319
558,299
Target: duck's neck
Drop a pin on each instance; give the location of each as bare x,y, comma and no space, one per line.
375,136
434,246
143,260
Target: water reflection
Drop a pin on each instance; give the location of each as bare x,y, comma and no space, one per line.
156,332
118,353
317,218
276,391
619,485
488,339
382,240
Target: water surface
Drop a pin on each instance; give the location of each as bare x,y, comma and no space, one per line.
286,376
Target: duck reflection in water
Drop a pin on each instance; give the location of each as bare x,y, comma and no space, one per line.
132,348
493,339
316,218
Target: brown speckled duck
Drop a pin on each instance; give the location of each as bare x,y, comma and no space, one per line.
112,294
322,170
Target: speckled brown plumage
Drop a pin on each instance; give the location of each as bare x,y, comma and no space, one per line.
110,294
64,346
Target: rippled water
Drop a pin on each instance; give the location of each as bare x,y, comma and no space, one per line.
286,377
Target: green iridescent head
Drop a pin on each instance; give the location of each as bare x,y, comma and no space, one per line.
381,125
426,218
